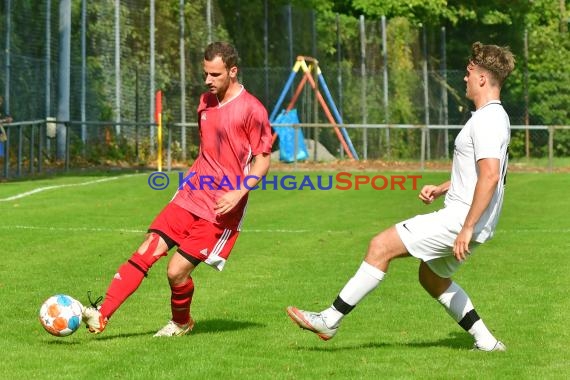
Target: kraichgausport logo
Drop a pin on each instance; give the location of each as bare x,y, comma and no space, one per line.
338,181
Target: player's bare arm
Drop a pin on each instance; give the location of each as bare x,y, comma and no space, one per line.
429,193
259,169
487,182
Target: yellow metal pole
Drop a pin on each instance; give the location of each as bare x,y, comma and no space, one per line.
158,119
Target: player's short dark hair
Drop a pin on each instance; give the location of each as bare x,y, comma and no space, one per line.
497,60
224,50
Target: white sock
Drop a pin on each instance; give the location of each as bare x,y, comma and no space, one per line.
482,335
457,304
332,317
365,280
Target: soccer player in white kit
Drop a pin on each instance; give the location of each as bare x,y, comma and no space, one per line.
444,239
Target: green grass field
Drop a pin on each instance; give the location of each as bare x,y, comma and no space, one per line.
297,248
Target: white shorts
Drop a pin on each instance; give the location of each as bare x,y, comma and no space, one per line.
430,238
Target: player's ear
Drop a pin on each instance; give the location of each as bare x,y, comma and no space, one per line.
233,72
482,79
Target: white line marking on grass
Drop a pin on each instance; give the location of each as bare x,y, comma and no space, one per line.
41,189
543,231
136,231
278,231
285,231
71,229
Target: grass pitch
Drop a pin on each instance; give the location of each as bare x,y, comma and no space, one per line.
69,235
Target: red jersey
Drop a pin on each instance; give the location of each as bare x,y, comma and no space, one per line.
230,135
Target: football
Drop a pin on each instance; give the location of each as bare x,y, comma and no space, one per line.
60,315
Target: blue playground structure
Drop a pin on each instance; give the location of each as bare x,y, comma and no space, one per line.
307,77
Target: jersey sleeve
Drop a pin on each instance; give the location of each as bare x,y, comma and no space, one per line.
259,130
489,135
201,104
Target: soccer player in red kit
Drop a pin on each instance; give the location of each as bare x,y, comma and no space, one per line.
203,218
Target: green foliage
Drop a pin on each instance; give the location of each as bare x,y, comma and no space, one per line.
545,76
537,143
517,144
549,68
403,81
416,11
561,144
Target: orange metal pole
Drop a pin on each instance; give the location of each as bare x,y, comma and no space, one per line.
329,115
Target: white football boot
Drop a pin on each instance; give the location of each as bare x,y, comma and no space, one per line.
174,329
311,321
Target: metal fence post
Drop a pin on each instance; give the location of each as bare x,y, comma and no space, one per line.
169,148
19,156
423,147
67,145
31,149
550,147
6,153
41,139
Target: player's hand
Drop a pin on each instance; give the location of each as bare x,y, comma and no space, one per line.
429,193
227,202
461,244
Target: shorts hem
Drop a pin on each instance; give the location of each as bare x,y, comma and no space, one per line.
192,259
435,270
168,240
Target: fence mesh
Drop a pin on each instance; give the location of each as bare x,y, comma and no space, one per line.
112,89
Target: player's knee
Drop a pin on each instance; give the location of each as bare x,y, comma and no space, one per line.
152,249
376,254
153,245
180,267
177,274
376,247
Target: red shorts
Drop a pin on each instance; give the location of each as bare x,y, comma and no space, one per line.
197,239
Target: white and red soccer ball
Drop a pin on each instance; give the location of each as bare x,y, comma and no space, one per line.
60,315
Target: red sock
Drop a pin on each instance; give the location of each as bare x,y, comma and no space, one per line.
125,282
130,275
180,301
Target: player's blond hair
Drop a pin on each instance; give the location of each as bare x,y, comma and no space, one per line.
497,60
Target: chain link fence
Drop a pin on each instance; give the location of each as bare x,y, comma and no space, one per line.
121,52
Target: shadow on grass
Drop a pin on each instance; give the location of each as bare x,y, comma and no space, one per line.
457,341
60,342
207,326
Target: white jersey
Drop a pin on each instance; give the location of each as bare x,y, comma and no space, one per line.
485,135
